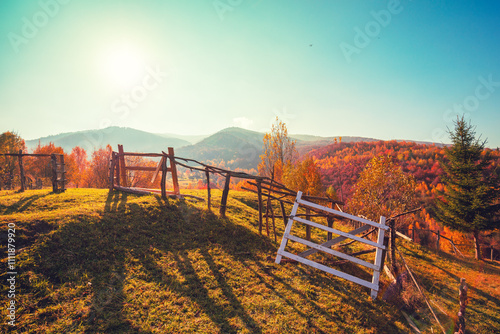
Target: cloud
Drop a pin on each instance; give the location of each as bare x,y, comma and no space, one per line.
242,122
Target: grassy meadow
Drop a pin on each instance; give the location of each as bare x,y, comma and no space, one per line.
93,261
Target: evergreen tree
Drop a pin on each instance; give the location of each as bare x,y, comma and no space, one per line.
467,203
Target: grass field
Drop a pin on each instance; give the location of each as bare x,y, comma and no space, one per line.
90,261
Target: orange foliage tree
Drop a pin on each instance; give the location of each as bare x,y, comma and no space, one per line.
383,189
97,175
303,176
10,142
79,156
279,151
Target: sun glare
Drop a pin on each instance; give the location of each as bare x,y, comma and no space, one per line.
124,65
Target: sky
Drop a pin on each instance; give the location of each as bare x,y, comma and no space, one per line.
380,69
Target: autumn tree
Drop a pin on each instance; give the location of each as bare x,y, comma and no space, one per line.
467,204
279,151
303,176
10,142
97,175
79,156
383,189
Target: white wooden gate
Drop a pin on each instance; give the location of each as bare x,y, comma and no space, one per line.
325,247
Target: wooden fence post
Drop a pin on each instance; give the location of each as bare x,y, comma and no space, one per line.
123,172
329,220
173,170
21,171
282,205
63,174
54,172
163,178
393,247
207,173
463,303
308,228
225,193
112,172
259,198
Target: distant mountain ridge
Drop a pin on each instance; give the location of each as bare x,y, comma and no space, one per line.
237,147
131,139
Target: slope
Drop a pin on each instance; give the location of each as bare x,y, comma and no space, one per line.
92,261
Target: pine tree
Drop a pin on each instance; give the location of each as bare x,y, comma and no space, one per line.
466,205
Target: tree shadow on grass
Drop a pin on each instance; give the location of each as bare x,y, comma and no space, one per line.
94,253
23,204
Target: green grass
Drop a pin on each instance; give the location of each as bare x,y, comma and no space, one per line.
89,261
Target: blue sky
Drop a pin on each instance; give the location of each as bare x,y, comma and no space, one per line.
381,69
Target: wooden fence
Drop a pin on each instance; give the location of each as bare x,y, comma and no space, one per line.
264,186
57,166
380,245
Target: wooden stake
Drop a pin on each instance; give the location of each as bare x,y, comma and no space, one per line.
207,173
308,228
463,303
54,172
163,182
123,172
21,171
282,205
225,193
112,171
173,170
259,198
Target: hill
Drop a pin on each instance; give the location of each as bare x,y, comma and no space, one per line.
133,140
238,148
89,261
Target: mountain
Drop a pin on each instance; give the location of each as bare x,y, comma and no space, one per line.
237,147
133,140
192,139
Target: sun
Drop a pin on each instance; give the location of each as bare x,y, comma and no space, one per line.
124,64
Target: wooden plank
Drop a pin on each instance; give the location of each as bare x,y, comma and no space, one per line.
378,259
343,214
173,170
331,251
334,231
133,191
288,228
137,154
401,235
141,168
336,240
329,270
157,170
